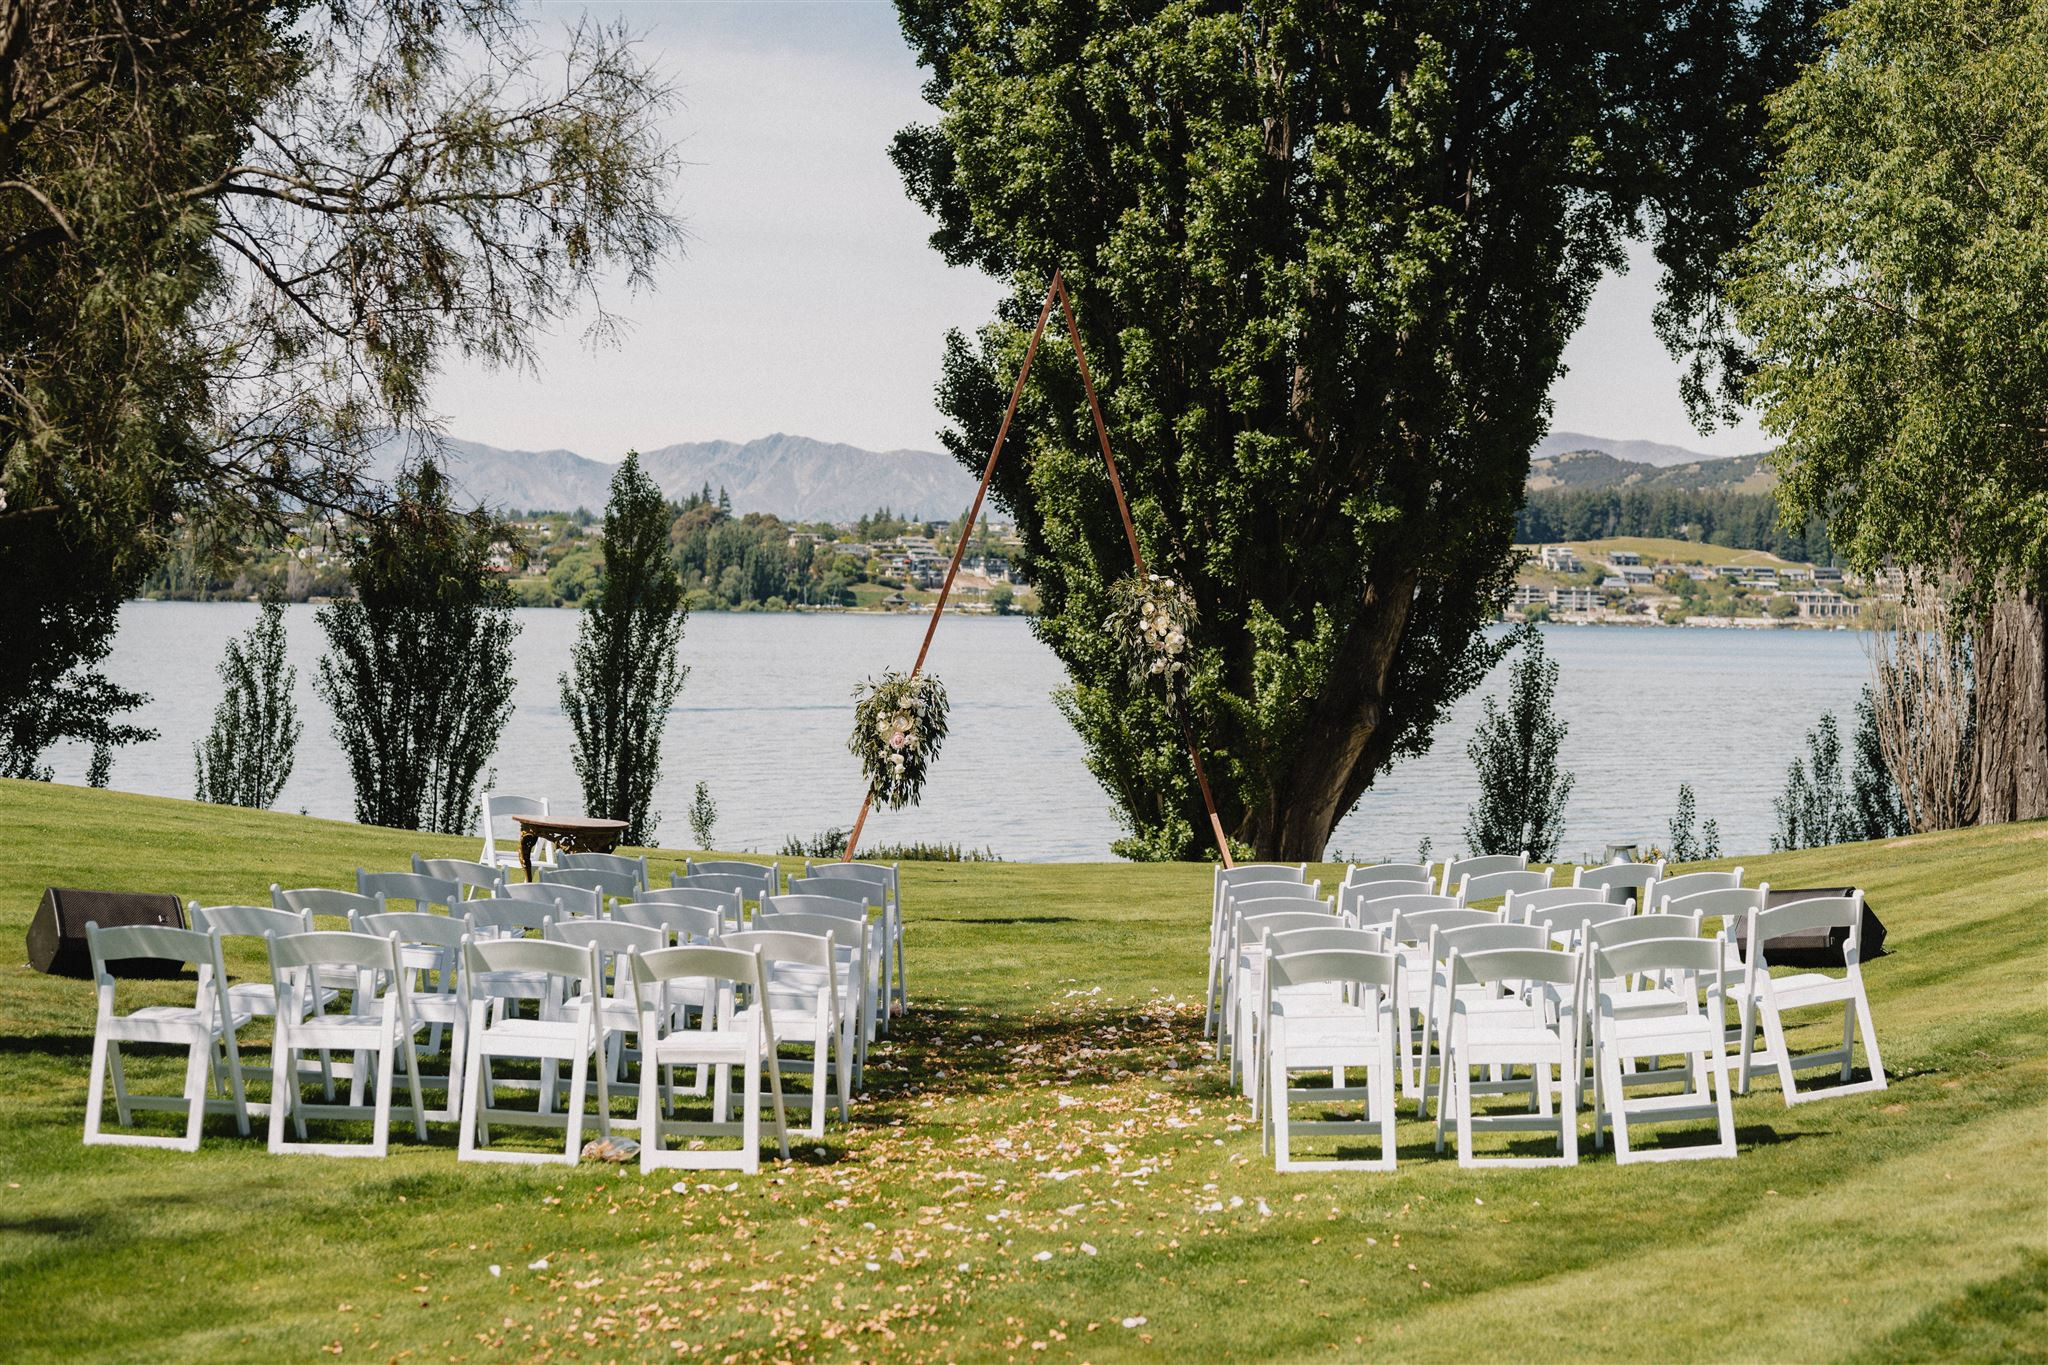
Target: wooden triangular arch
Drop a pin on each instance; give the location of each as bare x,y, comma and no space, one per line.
1056,290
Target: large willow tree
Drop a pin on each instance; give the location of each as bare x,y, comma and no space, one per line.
1327,258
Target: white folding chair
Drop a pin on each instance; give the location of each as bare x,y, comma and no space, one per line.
430,953
1470,938
423,892
1250,921
723,1038
1487,886
619,864
854,954
730,906
495,822
258,999
563,900
841,898
570,1035
1624,1031
808,1010
618,1013
210,1022
1617,880
1314,939
376,1026
1507,1039
887,879
1313,1031
1455,870
1408,934
475,879
1221,882
1661,889
1765,998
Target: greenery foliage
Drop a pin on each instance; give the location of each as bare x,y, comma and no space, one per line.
419,665
1742,521
247,756
899,722
626,668
1522,792
1813,811
1692,842
1326,259
703,815
1877,809
1153,618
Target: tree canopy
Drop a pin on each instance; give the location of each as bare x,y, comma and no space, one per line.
1326,260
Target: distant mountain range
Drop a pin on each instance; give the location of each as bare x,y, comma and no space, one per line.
802,479
793,477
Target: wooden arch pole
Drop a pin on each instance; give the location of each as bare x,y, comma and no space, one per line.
1057,289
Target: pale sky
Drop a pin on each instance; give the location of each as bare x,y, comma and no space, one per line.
808,301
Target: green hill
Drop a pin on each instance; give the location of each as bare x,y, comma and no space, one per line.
1048,1165
1591,469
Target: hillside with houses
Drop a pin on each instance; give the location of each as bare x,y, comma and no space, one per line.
1643,580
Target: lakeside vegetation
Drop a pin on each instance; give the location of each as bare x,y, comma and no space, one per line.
1049,1093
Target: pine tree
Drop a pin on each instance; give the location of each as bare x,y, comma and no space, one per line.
626,669
247,756
1521,792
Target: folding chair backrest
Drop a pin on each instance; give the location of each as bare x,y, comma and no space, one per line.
494,820
409,886
1252,929
1374,874
689,923
248,921
505,915
481,877
746,888
492,966
1380,971
1656,955
699,962
621,884
334,948
1270,891
1573,916
1382,909
617,863
1416,927
882,878
191,947
1619,876
325,900
436,931
1548,965
782,945
730,904
1804,916
1731,905
844,933
1482,938
1321,937
1487,885
609,937
751,880
1638,928
1228,878
839,888
811,904
563,900
1480,865
1520,903
1662,889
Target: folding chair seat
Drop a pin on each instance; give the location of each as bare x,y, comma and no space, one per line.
430,954
729,906
495,824
376,1026
1456,870
809,1009
1223,881
1507,1039
475,879
1765,998
495,1033
1625,1030
424,892
1307,1029
724,1037
206,1028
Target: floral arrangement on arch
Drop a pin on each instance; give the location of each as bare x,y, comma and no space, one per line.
898,724
1152,618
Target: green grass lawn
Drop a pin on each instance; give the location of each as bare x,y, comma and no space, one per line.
1046,1154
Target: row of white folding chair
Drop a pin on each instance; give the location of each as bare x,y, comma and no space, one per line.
887,878
1223,881
1250,910
877,884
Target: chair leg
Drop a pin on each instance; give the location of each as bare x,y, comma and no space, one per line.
1461,1086
412,1081
1380,1081
1568,1113
380,1123
283,1090
750,1110
96,1088
195,1092
470,1124
821,1055
579,1082
121,1109
1869,1032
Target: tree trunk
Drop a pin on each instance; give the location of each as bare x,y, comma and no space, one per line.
2012,712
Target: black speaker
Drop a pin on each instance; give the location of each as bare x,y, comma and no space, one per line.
1816,947
56,936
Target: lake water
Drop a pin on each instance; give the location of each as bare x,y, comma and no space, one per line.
764,715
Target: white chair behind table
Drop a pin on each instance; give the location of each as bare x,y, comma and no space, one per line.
1505,1038
1455,870
607,885
1250,921
1764,998
1379,911
562,900
1662,889
854,958
618,1014
377,1026
496,822
729,906
808,1010
889,877
1355,1031
1615,880
258,999
570,1035
430,953
423,892
620,863
475,879
1624,1031
724,1037
1222,881
1488,886
210,1022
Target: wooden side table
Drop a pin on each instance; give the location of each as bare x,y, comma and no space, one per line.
570,833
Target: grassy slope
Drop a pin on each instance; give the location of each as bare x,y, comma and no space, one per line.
1055,1032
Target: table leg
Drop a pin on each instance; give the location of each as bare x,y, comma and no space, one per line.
527,839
